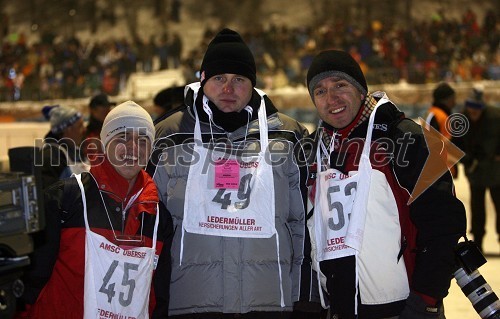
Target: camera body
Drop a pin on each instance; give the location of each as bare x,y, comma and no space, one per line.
21,220
473,285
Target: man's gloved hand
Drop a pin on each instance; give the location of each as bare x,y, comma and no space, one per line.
416,308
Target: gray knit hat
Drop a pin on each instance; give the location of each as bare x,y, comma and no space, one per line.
127,116
60,117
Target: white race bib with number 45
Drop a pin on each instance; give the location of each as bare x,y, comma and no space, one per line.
117,280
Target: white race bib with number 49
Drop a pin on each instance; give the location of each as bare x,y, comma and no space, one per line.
234,195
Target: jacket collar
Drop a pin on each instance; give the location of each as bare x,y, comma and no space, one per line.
143,196
109,181
273,120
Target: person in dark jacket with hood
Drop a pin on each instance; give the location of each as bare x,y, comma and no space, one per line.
384,249
225,168
107,236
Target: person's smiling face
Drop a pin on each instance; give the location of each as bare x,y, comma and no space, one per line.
128,152
337,101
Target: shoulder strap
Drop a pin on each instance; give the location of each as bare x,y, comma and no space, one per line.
70,193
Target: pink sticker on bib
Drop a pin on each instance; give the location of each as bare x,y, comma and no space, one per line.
227,174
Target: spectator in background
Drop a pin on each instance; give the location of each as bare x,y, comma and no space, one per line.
429,50
175,12
493,69
61,150
110,80
147,52
167,100
175,50
481,145
444,100
163,51
99,108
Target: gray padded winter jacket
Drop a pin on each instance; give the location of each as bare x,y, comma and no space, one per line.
225,274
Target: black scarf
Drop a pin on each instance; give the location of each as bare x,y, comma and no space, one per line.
230,121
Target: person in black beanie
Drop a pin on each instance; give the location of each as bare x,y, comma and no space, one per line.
383,251
99,107
166,102
225,168
444,100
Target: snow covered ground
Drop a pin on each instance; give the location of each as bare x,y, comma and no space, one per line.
457,306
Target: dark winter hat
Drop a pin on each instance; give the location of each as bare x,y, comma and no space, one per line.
170,97
227,53
442,92
475,100
60,117
334,63
100,100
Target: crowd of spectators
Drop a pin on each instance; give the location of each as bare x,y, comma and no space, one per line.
428,51
67,68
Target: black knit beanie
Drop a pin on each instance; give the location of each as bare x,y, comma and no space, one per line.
334,63
227,53
442,92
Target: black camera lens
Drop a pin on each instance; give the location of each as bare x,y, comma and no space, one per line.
479,292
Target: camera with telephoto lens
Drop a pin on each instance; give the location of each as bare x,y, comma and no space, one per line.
473,285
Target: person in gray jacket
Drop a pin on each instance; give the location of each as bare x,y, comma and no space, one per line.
225,167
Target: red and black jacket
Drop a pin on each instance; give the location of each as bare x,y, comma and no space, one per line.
430,226
55,279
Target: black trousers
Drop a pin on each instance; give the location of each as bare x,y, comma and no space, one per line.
478,211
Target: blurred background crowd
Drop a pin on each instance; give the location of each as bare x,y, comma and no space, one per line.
431,50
